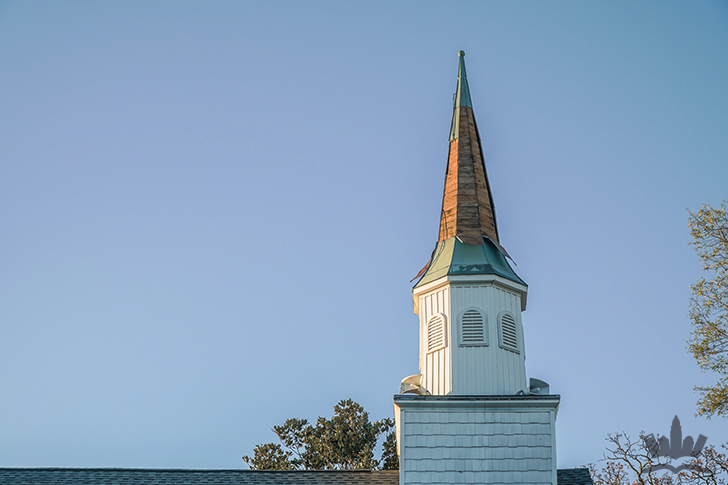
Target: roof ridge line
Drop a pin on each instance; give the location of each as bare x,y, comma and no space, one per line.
196,470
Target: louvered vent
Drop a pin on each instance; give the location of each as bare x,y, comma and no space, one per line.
436,333
473,328
508,334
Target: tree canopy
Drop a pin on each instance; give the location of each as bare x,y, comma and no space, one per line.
347,441
709,305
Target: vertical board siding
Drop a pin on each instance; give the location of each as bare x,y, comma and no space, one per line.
486,370
435,366
476,445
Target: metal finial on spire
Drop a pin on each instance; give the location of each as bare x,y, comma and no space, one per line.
461,97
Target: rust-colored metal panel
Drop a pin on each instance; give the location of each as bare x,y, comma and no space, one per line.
467,207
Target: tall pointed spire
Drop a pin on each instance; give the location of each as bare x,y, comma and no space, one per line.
468,242
467,204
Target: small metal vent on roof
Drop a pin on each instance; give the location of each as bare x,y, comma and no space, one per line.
508,333
436,333
472,325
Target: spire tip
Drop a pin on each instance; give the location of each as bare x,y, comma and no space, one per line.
461,54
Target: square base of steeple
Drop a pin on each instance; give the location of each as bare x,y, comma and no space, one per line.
476,439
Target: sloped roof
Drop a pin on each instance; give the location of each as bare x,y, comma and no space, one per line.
455,257
142,476
574,476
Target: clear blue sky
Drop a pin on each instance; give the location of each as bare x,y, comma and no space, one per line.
210,211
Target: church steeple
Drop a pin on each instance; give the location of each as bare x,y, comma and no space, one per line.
467,204
471,344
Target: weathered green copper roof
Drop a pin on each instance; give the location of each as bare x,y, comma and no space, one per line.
462,97
453,257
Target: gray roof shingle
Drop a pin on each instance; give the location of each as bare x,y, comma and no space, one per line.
574,476
142,476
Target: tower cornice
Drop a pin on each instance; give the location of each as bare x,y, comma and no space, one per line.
506,284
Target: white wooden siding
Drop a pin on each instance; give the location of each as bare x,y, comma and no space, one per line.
435,366
487,370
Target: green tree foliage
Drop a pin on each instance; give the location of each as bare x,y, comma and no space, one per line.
629,462
347,441
709,305
390,458
269,456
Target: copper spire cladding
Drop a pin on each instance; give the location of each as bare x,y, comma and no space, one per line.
467,204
